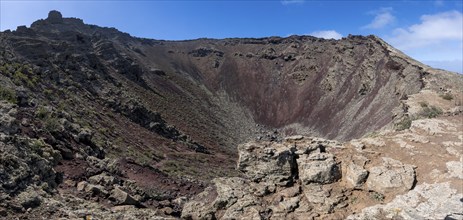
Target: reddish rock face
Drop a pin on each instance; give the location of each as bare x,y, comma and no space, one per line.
336,89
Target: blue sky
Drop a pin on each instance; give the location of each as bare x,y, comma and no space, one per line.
429,31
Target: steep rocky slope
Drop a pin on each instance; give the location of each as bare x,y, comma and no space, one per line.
94,119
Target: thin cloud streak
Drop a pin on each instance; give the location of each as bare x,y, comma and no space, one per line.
292,2
383,17
327,34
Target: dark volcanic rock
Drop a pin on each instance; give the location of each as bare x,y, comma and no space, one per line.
55,17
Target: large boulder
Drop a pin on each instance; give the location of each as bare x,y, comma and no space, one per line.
91,188
318,168
29,198
120,197
103,179
355,175
268,161
354,172
392,176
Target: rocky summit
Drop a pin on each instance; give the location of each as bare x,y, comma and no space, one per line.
98,124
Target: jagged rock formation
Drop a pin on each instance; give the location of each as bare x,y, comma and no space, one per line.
299,178
94,122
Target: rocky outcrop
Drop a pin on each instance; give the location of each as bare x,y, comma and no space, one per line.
391,176
318,168
288,179
272,163
355,174
298,178
122,198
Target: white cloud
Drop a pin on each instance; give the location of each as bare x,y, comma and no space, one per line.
290,2
433,29
328,34
437,40
382,18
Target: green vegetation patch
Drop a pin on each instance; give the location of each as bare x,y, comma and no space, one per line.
405,123
430,112
377,196
20,74
8,95
427,111
447,96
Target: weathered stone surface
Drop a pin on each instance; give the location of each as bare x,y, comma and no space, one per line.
290,192
426,201
433,126
29,198
286,206
8,123
85,136
455,168
271,162
81,185
230,194
392,176
122,208
25,162
323,198
294,138
318,168
103,179
355,175
201,206
91,188
122,198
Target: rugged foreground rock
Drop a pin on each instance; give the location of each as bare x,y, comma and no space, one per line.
313,178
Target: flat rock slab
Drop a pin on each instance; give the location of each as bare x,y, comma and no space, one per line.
426,201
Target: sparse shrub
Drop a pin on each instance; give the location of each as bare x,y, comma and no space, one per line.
37,144
103,131
20,74
423,104
354,200
19,77
49,120
52,124
430,112
48,92
42,112
447,96
405,123
377,196
8,95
